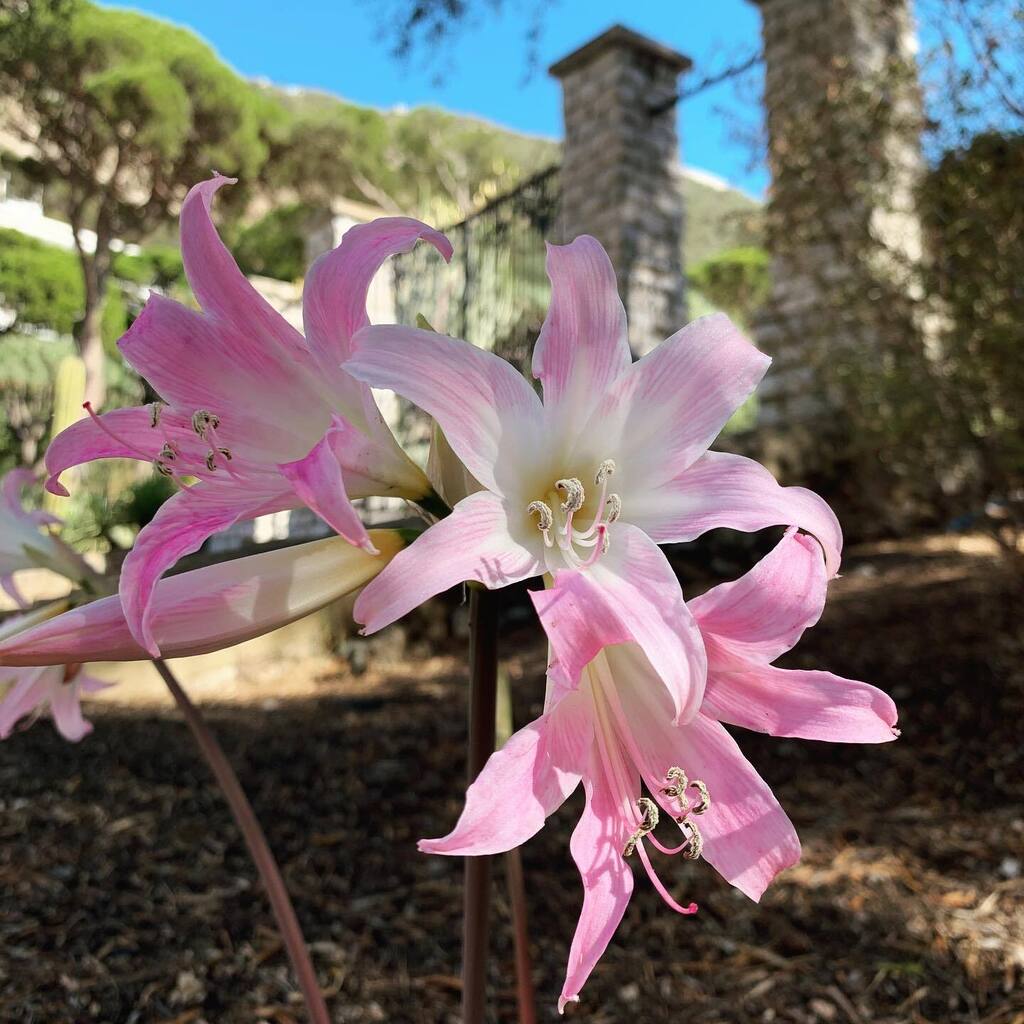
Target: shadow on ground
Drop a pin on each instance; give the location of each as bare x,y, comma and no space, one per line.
126,893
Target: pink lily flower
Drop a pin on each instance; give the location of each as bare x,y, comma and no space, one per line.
25,542
59,687
610,464
609,724
263,417
210,608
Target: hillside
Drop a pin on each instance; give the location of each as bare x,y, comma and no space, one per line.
443,166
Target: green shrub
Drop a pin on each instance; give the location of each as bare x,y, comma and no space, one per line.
736,281
158,265
275,246
27,369
40,283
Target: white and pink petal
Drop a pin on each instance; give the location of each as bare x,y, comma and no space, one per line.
583,347
763,613
533,773
725,490
473,543
489,413
629,594
801,704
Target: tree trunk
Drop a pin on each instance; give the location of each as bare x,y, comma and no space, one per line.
88,330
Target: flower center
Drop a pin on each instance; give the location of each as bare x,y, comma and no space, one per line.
557,513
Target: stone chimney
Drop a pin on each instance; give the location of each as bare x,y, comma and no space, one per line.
843,112
620,171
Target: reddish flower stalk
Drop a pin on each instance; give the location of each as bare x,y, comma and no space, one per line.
259,849
483,689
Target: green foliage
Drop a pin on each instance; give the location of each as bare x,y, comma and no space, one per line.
275,245
736,281
423,161
718,219
158,265
972,208
27,370
97,82
111,504
40,283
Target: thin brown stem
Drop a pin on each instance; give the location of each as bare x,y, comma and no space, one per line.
483,678
514,877
521,937
259,849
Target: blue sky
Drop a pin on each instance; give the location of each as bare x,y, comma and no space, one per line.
338,46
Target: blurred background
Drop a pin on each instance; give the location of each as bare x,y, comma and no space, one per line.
842,177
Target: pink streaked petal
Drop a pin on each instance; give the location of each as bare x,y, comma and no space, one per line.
534,772
582,347
748,838
764,612
334,299
129,435
179,528
662,414
579,620
596,846
735,492
27,690
267,399
631,593
318,481
220,287
800,704
473,543
210,608
489,413
66,708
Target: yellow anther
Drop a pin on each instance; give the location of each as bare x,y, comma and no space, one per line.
545,517
574,494
649,810
679,780
203,420
705,798
693,841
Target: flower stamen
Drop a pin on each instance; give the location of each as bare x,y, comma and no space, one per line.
545,519
648,823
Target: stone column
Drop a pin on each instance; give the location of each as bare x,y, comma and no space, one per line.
844,115
619,171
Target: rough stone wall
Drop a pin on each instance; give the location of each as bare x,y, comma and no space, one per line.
619,172
843,115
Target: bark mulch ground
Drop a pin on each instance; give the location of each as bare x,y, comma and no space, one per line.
126,893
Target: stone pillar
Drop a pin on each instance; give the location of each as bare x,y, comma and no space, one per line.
844,115
619,171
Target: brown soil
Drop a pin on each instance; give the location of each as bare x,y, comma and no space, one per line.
126,893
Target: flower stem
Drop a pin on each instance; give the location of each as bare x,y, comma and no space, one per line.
515,879
259,850
483,678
